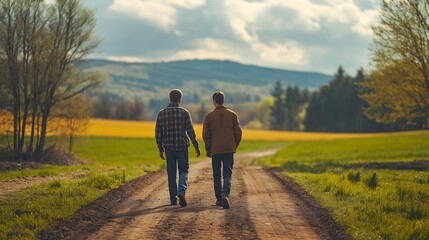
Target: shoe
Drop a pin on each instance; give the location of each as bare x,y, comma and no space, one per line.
182,199
219,203
173,203
225,202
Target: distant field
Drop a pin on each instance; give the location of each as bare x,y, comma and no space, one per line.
393,205
139,129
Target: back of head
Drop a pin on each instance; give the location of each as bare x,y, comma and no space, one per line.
219,97
176,95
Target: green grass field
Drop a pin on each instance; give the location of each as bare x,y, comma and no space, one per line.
400,198
394,205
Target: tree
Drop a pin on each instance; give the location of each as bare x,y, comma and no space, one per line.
202,112
278,110
398,89
337,107
263,112
74,115
138,111
42,44
294,104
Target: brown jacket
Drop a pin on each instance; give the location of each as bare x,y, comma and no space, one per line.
221,131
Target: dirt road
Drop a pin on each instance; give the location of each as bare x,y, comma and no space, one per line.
260,209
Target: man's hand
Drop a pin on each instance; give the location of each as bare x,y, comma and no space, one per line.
161,155
197,150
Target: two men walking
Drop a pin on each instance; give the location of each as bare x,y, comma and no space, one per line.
221,134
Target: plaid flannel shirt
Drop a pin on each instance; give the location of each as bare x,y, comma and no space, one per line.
173,127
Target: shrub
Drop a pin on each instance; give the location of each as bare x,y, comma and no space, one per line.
99,182
372,182
404,193
353,177
415,212
341,194
420,232
55,184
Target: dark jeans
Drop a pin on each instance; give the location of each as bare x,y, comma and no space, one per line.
227,160
177,159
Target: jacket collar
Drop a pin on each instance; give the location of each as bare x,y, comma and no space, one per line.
173,104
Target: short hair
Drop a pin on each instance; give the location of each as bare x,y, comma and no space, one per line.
176,95
219,97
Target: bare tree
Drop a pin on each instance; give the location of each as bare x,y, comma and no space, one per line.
42,45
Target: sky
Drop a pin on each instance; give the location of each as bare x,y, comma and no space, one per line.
306,35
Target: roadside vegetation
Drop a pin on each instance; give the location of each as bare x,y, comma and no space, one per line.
371,203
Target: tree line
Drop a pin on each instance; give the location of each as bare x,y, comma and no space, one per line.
393,96
337,107
106,106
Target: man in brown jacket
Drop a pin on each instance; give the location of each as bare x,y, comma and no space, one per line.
222,135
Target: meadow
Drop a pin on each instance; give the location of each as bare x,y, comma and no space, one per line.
120,151
372,204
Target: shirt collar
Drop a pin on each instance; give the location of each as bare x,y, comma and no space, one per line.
173,104
221,106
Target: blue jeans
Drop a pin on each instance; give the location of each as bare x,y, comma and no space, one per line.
177,159
227,160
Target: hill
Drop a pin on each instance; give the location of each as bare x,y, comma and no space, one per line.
152,81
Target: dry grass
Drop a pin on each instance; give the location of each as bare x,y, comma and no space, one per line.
136,129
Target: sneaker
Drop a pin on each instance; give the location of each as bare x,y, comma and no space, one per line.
182,199
219,203
225,202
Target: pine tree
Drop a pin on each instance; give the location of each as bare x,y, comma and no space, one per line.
278,110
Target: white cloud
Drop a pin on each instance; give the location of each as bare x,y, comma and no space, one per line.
281,54
249,19
49,2
161,13
347,12
189,4
209,48
243,15
130,59
367,19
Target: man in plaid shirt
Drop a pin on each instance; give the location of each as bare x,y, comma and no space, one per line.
172,132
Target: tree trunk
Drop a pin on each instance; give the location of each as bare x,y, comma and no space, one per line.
33,121
41,145
71,142
23,126
15,132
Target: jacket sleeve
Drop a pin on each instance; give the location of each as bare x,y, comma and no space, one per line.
237,130
190,130
207,134
159,134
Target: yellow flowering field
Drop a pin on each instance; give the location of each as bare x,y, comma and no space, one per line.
142,129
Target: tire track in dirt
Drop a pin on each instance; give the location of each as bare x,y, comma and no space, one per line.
272,210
